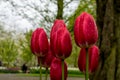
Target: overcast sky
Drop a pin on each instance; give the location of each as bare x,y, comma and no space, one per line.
12,17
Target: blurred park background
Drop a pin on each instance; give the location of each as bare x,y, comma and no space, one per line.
18,18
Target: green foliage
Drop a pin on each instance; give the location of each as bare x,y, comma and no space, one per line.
10,70
26,54
8,47
70,71
8,52
33,71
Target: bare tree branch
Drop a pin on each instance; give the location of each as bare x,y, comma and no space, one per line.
68,3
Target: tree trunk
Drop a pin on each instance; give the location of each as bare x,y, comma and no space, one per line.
108,22
60,9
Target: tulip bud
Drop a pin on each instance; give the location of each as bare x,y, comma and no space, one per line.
57,24
82,60
56,70
85,30
93,58
46,60
62,45
93,52
39,42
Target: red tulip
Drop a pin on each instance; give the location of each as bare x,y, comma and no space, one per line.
93,52
56,70
62,45
82,60
39,42
85,30
57,24
93,58
46,60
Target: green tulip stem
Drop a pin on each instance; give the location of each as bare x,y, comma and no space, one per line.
40,69
62,69
46,74
87,65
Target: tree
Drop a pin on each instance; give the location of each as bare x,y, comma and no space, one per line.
108,22
8,47
8,51
60,9
34,12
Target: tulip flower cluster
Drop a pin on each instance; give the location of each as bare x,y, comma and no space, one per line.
86,35
53,54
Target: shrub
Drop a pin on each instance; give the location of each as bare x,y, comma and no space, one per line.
10,70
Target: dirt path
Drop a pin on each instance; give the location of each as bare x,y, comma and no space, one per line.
15,77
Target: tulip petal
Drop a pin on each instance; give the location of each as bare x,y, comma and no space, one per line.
82,60
93,58
66,44
43,43
90,30
78,30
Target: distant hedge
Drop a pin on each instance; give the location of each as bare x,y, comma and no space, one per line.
34,70
10,70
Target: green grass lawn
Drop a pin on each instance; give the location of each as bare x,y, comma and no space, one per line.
37,75
72,72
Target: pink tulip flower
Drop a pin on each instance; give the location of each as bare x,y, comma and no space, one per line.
57,24
39,42
62,45
56,70
93,52
85,30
